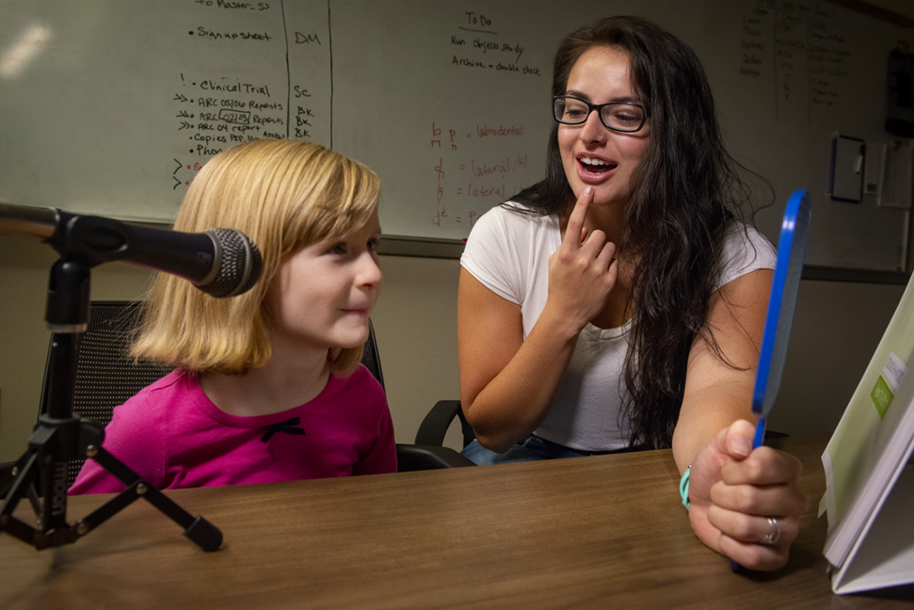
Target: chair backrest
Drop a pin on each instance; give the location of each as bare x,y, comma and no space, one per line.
371,358
106,375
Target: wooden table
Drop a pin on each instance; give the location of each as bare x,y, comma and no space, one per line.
593,532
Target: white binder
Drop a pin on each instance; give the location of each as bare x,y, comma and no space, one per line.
870,485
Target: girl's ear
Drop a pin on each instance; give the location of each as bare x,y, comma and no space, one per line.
333,354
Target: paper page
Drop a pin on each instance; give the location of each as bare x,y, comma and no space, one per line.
886,557
864,431
862,456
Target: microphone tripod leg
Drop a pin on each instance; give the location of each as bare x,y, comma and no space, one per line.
37,474
21,480
197,529
17,481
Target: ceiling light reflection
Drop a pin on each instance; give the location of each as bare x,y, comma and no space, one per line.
15,59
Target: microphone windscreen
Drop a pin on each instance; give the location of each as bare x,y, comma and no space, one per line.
240,264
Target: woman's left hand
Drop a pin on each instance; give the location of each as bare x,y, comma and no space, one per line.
734,491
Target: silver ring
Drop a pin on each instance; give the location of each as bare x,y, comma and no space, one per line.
774,535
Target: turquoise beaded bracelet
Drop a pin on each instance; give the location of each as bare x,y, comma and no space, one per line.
684,487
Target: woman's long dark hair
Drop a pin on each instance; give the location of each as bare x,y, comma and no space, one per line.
681,199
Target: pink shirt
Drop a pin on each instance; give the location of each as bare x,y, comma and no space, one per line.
173,436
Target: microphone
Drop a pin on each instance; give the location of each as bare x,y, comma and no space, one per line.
220,262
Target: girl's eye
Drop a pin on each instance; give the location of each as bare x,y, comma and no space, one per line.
339,248
373,245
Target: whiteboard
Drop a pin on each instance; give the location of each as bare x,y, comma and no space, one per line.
110,107
122,102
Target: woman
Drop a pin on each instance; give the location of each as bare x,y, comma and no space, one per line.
617,306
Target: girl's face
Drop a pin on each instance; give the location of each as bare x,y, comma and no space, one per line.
322,295
592,154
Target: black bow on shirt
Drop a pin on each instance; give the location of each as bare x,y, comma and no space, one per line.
288,426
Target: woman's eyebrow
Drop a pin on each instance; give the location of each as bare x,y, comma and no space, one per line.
578,94
627,99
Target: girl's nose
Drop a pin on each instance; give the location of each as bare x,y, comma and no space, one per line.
369,273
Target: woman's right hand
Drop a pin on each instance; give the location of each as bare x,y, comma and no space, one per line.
507,380
583,270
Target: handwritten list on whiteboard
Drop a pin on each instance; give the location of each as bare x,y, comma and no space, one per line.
466,118
804,50
127,104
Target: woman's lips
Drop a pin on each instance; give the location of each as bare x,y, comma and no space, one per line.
594,170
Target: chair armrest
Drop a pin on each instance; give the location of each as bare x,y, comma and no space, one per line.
411,458
434,426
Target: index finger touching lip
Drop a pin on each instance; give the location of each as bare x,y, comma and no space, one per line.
573,232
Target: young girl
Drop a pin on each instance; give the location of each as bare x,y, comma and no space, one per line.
617,305
268,385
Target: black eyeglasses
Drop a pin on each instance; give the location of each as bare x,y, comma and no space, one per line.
618,116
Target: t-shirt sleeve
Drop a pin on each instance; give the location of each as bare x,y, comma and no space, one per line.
131,438
745,250
491,255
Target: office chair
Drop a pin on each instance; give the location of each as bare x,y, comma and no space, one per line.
421,455
106,377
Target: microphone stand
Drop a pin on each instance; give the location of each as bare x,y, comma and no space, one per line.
60,435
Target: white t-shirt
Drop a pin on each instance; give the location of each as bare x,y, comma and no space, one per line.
508,252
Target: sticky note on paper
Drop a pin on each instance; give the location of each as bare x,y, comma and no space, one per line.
882,397
887,384
894,371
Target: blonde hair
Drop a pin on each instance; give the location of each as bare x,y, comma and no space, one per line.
284,195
